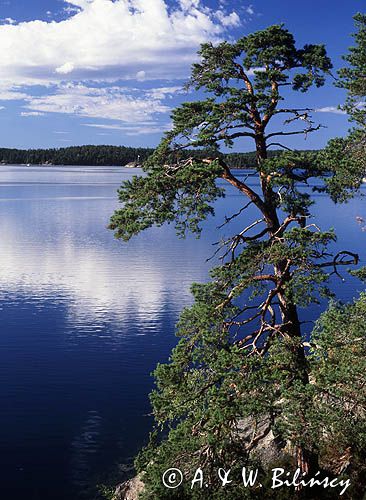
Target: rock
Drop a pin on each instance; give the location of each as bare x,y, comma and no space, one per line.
267,450
130,490
265,447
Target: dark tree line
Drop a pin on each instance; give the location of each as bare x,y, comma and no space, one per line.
106,156
76,155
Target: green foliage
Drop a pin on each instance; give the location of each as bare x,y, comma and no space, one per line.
359,273
275,60
347,157
344,159
272,53
167,194
338,361
106,492
353,76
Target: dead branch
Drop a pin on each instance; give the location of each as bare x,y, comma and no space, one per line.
229,219
280,145
305,132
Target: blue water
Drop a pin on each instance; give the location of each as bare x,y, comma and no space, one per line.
85,318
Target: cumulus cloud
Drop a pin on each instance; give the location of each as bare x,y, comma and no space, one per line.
65,69
81,60
230,20
113,36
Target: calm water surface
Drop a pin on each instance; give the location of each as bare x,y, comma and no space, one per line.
84,320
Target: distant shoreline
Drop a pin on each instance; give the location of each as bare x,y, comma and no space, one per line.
3,164
106,156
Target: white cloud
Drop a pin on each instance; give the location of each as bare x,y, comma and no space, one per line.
113,103
71,10
79,3
162,92
9,95
132,130
31,113
189,4
228,20
141,76
330,109
9,20
65,69
114,37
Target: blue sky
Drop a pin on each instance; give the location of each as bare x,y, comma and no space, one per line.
109,72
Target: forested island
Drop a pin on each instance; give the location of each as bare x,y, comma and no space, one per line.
107,156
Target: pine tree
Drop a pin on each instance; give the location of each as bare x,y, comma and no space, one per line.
242,351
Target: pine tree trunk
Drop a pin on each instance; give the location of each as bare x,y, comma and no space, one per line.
306,460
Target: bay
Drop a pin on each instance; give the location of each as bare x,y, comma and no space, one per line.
85,319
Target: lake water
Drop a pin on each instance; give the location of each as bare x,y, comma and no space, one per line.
85,319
